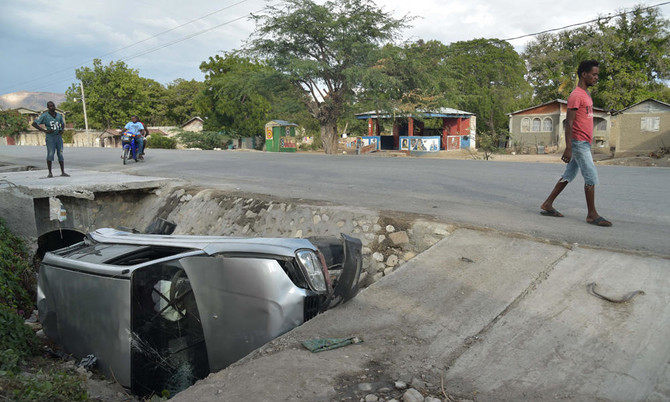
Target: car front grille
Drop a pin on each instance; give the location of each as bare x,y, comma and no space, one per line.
311,307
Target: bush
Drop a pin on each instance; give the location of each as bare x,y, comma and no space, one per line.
204,139
17,340
161,142
56,386
67,136
17,277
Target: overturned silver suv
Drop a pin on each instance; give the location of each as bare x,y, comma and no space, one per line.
159,312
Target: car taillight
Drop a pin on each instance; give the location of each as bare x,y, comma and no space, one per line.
313,269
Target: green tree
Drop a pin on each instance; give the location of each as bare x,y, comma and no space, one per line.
490,79
233,99
633,50
12,123
407,78
180,104
113,93
323,51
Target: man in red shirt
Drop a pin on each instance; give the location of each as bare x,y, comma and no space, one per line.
578,138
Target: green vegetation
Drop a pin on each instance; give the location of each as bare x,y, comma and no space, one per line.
204,139
633,51
17,277
68,136
323,51
162,142
12,123
43,386
18,343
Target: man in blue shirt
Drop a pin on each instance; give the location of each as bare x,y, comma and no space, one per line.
135,127
53,127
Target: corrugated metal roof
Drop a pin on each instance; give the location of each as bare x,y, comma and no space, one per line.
281,123
442,112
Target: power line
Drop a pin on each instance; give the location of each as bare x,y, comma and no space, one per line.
586,22
50,75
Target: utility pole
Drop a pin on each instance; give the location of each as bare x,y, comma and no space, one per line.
83,102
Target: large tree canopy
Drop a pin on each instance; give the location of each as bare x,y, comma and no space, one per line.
113,93
323,50
490,81
232,100
634,51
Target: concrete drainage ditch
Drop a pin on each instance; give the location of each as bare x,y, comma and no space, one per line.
389,239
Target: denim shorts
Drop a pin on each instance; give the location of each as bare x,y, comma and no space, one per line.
54,143
581,160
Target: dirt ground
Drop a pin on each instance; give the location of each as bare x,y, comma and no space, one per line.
554,157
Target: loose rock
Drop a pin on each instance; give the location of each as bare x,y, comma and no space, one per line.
392,261
400,385
412,395
399,238
390,228
379,257
365,386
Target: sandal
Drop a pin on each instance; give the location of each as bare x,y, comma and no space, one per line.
551,212
600,221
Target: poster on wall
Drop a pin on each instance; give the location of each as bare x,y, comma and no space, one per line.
287,142
268,133
453,142
371,140
420,144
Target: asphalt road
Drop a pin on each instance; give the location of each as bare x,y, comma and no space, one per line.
500,195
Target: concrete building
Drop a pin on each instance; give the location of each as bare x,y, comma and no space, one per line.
193,124
544,125
457,129
641,128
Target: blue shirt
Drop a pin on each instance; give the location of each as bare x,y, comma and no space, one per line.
54,125
134,128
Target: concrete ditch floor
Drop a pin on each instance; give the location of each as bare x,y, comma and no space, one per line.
479,316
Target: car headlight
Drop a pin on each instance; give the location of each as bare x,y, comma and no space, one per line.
313,270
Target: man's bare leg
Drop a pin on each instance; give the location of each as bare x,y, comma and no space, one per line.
548,204
592,215
49,167
62,169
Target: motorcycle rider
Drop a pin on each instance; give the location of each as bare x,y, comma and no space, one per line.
135,127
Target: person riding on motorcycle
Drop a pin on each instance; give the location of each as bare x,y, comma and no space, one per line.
135,127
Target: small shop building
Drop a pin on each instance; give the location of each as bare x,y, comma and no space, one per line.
453,130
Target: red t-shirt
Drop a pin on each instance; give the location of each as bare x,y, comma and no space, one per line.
582,127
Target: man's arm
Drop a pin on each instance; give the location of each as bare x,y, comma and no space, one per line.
37,123
569,120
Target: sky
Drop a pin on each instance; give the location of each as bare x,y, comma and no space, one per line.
43,42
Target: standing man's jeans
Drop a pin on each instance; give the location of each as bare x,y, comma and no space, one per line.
581,160
54,144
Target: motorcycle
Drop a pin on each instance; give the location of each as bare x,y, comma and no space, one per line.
130,150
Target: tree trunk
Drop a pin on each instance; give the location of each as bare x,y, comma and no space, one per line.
329,136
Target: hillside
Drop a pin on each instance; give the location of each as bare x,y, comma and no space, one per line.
31,100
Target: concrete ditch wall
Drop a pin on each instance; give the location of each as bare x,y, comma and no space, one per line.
389,239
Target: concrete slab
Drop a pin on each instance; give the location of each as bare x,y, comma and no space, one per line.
80,184
561,342
416,320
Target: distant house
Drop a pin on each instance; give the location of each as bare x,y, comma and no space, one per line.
545,125
32,115
193,124
642,127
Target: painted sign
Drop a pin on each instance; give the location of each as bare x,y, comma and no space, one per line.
268,133
371,140
453,142
420,144
287,142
